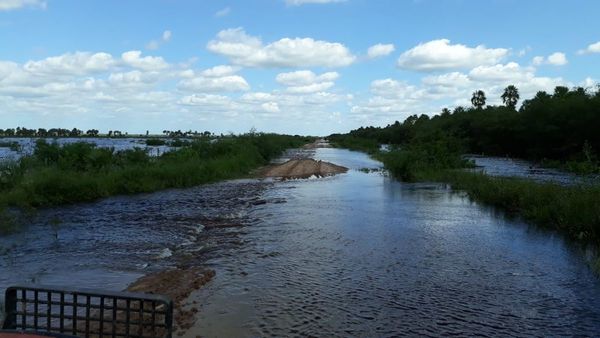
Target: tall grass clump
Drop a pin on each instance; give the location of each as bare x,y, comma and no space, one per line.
573,210
76,172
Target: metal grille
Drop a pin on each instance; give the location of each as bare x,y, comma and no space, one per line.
87,313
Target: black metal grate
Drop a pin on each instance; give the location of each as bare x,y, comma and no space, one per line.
87,313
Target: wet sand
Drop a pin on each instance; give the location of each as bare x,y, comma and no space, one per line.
176,284
302,168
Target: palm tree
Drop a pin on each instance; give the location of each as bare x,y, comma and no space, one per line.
478,99
510,96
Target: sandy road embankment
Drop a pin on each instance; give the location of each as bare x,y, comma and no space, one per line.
302,168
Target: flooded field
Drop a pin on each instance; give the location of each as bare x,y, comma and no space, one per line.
27,145
357,254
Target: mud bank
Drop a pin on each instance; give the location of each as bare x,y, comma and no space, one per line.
302,168
176,284
320,143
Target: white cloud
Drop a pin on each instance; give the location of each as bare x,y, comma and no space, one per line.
380,50
245,50
593,48
305,81
218,71
303,2
557,59
538,60
223,12
78,63
230,83
166,36
148,63
7,5
441,55
454,79
270,107
304,77
206,100
511,71
554,59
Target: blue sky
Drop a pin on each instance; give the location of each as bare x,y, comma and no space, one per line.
292,66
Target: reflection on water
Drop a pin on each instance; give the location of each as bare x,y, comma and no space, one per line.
357,254
363,255
510,167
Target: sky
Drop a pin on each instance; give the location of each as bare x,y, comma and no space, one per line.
311,67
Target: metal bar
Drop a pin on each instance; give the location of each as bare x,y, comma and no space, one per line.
10,309
35,309
127,314
74,320
62,311
24,305
101,316
87,316
48,309
88,308
153,318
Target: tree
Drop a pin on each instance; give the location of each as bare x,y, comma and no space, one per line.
561,91
478,99
510,96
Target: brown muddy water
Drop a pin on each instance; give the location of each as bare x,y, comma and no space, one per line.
357,254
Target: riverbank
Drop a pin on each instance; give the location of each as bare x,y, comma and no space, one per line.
79,172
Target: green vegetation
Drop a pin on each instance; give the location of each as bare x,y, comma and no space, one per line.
155,142
561,127
77,172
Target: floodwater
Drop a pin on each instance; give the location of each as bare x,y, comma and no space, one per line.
357,254
27,145
512,167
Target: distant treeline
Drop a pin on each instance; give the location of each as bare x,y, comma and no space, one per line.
62,132
564,125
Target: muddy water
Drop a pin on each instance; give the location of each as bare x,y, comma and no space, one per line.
357,254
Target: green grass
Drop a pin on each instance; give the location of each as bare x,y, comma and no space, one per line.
56,175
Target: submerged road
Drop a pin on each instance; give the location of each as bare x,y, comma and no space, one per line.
356,254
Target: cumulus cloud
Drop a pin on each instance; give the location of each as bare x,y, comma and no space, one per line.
511,71
440,55
593,48
229,83
8,5
303,2
305,81
246,50
557,59
148,63
379,50
218,71
554,59
78,63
